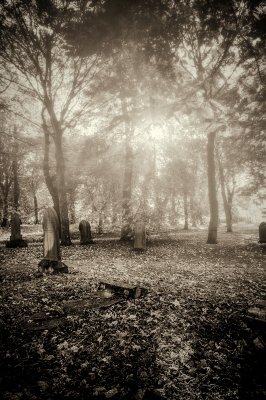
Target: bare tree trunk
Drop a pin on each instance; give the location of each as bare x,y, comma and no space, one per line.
4,222
72,211
36,209
185,209
16,191
230,195
49,179
60,171
227,209
126,231
213,203
62,193
5,189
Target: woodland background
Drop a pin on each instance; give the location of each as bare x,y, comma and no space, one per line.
113,108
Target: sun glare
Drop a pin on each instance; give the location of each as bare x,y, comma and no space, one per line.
157,131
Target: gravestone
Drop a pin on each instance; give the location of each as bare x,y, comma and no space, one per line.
51,263
262,232
139,235
85,232
16,238
121,289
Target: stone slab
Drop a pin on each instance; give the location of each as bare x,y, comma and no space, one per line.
97,300
123,289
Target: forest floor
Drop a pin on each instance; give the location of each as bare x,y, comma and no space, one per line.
187,339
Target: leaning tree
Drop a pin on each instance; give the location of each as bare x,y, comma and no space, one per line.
45,67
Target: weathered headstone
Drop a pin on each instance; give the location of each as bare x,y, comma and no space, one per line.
85,232
139,235
52,257
262,232
16,238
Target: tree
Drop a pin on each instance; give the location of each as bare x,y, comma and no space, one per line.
6,177
229,172
213,38
33,44
15,171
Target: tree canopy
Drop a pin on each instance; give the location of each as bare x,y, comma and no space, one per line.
121,98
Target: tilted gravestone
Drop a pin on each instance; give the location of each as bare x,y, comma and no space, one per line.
85,232
262,232
16,238
139,235
51,262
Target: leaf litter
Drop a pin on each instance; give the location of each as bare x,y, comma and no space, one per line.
187,339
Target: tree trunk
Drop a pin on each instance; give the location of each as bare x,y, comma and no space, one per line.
230,195
62,193
60,170
4,222
36,209
185,209
126,232
213,203
72,211
49,179
16,191
227,210
173,213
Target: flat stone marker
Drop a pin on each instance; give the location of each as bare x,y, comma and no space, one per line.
256,315
85,232
122,289
262,232
95,300
38,324
51,263
107,295
139,236
16,237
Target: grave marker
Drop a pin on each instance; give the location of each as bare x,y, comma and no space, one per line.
122,289
139,236
85,232
51,262
262,232
16,237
